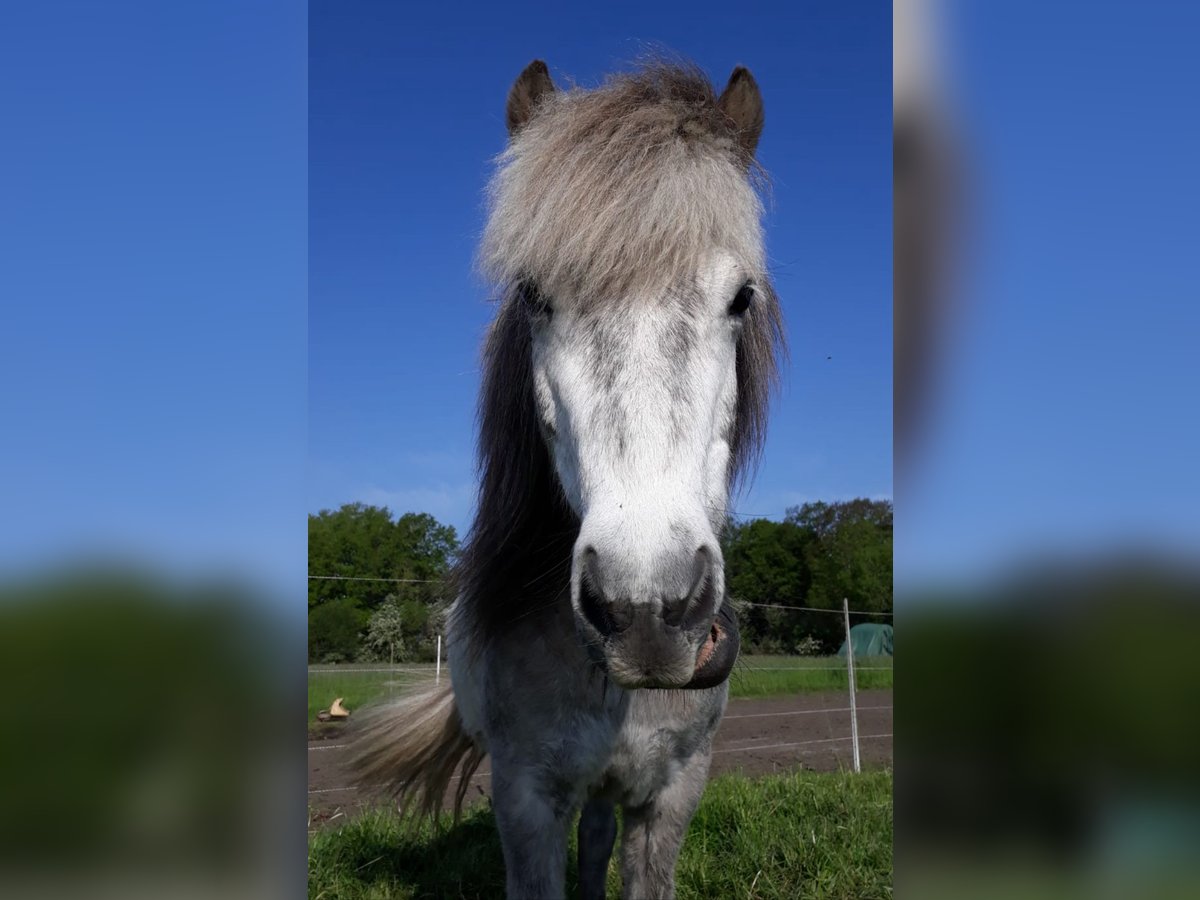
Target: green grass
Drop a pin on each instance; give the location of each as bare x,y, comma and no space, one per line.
801,835
755,676
358,685
770,676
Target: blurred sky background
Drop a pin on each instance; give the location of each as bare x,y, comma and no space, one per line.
1066,424
406,114
152,318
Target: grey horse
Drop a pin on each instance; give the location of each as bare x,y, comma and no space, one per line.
626,381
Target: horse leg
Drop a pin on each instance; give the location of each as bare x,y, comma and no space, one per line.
597,831
653,833
532,820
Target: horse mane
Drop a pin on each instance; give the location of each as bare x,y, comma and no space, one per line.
614,192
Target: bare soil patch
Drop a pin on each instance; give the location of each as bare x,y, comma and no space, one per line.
757,737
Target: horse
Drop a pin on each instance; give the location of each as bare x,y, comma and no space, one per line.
626,381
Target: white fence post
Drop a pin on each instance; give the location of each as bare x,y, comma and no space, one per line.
437,678
850,671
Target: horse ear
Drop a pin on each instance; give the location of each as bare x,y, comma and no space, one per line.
742,103
530,87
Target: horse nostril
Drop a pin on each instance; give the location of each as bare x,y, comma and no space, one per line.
593,610
673,610
695,605
606,616
701,601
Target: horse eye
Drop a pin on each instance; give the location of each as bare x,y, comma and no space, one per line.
741,302
532,299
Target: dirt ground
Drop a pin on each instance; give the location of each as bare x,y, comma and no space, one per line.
810,731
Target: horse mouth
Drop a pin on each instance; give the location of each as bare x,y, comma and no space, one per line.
715,635
719,651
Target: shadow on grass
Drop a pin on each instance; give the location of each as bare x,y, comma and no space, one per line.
375,855
823,836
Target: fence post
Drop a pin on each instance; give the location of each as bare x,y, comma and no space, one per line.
437,678
850,671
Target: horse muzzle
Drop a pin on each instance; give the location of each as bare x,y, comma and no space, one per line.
640,650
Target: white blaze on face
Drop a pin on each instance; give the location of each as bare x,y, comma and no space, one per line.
638,401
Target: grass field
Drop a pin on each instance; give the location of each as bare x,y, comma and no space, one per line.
801,835
755,676
358,685
768,676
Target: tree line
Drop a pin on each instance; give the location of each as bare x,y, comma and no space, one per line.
379,585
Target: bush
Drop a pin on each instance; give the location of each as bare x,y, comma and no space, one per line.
810,646
333,629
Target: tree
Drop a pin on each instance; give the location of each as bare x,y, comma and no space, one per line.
385,629
766,559
410,556
373,558
404,630
765,564
819,553
851,556
333,630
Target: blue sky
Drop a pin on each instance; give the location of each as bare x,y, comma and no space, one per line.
406,113
152,326
1067,423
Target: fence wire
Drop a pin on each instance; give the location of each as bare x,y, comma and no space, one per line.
853,612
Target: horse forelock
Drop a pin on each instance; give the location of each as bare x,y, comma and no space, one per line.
620,191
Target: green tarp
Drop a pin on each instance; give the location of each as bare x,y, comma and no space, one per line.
870,639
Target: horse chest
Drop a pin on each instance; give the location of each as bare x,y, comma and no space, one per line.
659,734
642,760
